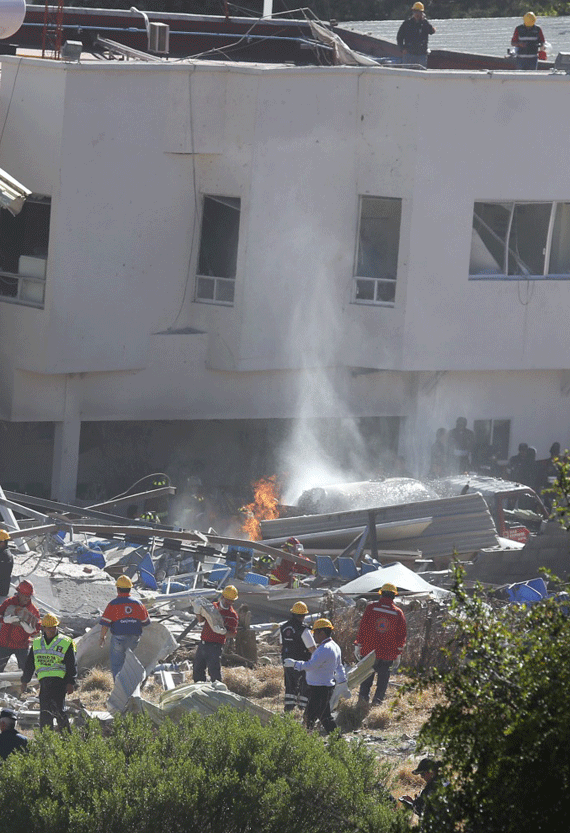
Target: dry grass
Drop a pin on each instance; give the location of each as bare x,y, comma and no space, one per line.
97,679
264,682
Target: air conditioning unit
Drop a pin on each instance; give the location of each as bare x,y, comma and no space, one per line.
158,38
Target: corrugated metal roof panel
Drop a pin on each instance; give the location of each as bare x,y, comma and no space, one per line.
462,523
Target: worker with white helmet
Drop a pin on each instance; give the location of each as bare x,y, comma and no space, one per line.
19,621
126,617
209,652
296,643
528,40
383,630
413,37
52,657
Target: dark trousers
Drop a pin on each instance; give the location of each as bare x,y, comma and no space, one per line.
208,656
21,655
296,689
52,702
318,708
382,668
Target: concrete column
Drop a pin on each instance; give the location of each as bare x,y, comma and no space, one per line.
66,448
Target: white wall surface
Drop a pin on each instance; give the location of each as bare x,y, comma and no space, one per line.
126,150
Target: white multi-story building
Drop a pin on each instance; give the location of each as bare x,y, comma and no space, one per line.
244,249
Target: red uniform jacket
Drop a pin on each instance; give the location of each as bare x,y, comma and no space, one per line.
382,629
230,621
12,635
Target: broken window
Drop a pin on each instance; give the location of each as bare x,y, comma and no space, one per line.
377,255
520,239
217,262
23,252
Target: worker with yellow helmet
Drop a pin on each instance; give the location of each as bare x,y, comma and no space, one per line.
383,630
296,643
413,37
52,657
209,652
528,40
125,617
323,671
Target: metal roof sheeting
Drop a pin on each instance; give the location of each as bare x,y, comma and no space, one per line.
462,524
12,193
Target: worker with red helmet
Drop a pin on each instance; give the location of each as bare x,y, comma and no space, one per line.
382,630
19,622
283,572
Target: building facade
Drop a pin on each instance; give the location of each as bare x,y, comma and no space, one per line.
267,247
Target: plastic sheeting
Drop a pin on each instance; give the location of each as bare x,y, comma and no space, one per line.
396,574
205,698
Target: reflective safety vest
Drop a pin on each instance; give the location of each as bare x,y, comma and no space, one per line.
48,659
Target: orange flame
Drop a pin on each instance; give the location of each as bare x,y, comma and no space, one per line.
263,507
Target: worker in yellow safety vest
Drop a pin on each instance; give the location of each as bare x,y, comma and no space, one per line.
52,657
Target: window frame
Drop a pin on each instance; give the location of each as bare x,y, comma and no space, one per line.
377,283
547,249
26,286
220,284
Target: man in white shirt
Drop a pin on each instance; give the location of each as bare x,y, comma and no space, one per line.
322,671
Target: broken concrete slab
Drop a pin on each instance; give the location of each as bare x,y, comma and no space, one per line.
156,644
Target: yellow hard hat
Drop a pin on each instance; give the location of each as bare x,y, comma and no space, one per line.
230,592
389,588
418,7
529,19
50,621
300,607
323,623
124,583
4,536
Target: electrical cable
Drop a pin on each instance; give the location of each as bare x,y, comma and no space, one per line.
10,99
140,480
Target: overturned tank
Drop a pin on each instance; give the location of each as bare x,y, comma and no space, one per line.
342,497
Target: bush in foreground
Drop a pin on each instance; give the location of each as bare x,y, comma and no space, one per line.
219,774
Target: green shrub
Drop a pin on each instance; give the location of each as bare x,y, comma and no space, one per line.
219,774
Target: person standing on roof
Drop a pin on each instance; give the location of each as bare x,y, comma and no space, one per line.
296,643
52,657
283,572
323,671
209,652
382,630
126,617
20,620
10,739
413,37
6,563
529,40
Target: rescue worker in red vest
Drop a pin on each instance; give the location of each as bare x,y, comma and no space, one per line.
296,643
126,617
382,630
529,40
52,657
20,620
283,572
209,652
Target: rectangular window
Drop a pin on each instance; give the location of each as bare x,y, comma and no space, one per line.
217,261
23,252
377,255
520,240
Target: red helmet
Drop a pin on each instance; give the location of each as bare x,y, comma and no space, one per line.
293,545
26,588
